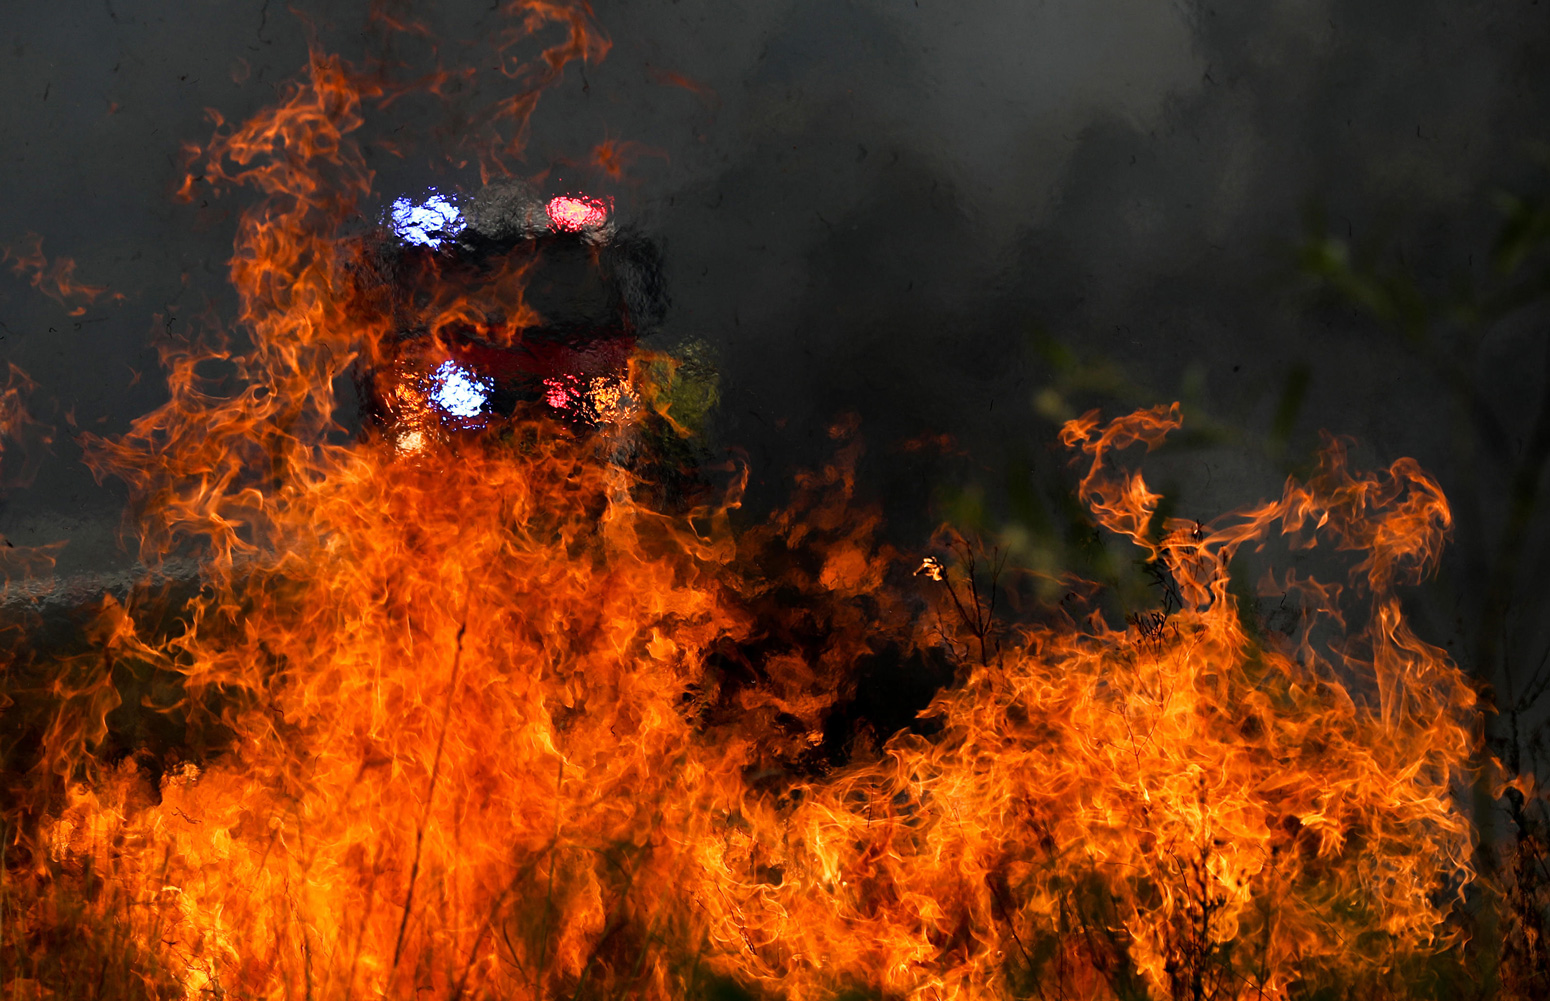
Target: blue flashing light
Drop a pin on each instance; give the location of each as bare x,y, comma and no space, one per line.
427,223
458,392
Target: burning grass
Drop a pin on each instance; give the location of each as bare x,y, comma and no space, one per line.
488,728
474,719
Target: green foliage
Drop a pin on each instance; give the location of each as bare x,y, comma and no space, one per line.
1033,514
1525,231
686,386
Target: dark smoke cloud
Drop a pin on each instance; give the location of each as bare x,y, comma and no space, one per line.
865,207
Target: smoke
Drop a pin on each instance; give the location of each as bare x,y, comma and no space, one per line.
865,207
887,200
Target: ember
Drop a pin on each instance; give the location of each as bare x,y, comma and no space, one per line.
505,727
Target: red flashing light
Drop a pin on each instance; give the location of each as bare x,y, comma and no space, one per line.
574,213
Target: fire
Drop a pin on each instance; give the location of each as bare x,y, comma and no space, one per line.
56,280
471,716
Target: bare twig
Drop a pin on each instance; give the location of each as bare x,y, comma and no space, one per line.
977,614
430,792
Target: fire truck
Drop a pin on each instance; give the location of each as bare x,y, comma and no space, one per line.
503,304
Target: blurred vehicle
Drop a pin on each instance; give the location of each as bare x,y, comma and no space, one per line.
505,304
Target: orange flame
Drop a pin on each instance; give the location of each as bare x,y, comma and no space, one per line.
614,156
23,441
56,280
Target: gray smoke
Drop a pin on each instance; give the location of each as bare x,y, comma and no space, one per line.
865,206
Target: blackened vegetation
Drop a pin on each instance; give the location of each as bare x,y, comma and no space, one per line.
976,610
1160,576
1152,625
1525,870
820,677
1155,625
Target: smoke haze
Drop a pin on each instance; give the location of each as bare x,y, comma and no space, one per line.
867,207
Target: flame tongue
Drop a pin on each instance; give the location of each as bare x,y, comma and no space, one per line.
490,727
474,701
